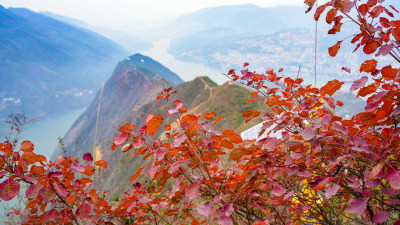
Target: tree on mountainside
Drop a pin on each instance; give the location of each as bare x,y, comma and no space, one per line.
322,169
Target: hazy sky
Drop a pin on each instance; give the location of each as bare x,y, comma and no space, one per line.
108,12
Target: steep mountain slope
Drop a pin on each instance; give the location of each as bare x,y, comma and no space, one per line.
134,82
47,66
200,96
129,96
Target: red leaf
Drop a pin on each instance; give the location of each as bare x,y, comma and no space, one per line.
331,87
47,193
88,157
60,189
83,210
9,189
33,190
245,64
389,73
380,217
369,66
154,124
370,47
192,191
310,4
27,146
334,49
137,174
101,163
255,94
250,101
330,16
121,138
357,205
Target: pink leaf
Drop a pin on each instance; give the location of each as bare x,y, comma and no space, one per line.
205,209
308,133
47,193
359,83
88,157
385,49
83,210
346,69
121,138
278,191
395,181
173,111
225,210
331,191
192,191
370,107
357,205
153,170
78,167
33,190
179,140
175,166
9,189
380,217
160,153
61,189
327,119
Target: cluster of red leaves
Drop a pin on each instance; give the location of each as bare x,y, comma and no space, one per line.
312,166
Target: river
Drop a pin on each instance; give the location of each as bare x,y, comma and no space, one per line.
186,70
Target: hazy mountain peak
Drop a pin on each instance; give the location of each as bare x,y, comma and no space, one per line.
144,62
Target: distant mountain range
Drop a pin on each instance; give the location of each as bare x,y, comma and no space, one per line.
123,38
129,96
47,66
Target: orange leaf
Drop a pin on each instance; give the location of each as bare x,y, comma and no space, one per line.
389,73
101,163
370,47
27,146
71,199
334,49
236,154
154,124
250,101
219,118
167,127
37,170
330,16
210,115
369,66
255,94
331,87
137,174
235,138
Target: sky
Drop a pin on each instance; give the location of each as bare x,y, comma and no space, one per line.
110,12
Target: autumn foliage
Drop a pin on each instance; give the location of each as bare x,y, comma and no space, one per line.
312,167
